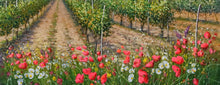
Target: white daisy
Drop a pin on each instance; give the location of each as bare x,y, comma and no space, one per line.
158,71
28,61
48,67
37,71
122,69
193,65
189,70
26,75
164,57
17,72
48,81
16,76
166,64
41,75
31,70
126,68
193,70
64,65
131,70
31,75
130,77
38,67
20,81
46,75
161,66
152,71
20,76
106,60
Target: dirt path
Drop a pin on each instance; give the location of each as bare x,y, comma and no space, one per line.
67,31
58,31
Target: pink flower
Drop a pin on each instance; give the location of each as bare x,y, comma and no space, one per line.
211,51
85,53
184,46
195,81
141,54
199,42
184,41
59,81
81,59
204,46
98,53
19,56
11,55
136,63
91,59
87,71
74,56
136,50
178,60
143,77
126,52
207,35
17,62
84,47
92,75
178,51
156,58
101,65
141,48
200,53
177,70
210,41
103,78
178,42
100,58
42,64
35,62
79,48
79,78
23,65
150,64
195,49
127,60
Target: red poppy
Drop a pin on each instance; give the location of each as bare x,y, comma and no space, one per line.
59,81
87,71
50,50
184,41
195,81
207,35
79,78
74,56
136,63
42,64
141,54
143,77
103,78
84,47
122,47
178,51
101,65
177,70
204,46
23,65
28,54
202,63
12,64
79,48
127,60
35,62
195,49
11,55
200,53
118,51
156,58
150,64
210,41
141,48
45,61
104,56
127,52
136,50
72,49
178,42
19,56
85,53
175,47
98,53
100,58
199,42
91,59
98,77
17,62
178,60
92,75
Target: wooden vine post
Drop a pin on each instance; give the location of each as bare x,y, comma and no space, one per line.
148,21
197,20
102,28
